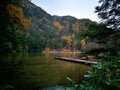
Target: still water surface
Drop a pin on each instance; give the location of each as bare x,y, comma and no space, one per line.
42,70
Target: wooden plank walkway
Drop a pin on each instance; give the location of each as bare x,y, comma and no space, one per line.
76,60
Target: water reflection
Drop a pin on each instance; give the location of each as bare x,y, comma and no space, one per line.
42,70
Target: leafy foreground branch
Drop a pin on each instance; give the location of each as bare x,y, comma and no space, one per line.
104,76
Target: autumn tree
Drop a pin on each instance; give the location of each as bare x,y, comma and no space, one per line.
83,43
75,27
13,26
58,25
69,41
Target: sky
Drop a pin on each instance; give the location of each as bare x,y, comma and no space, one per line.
76,8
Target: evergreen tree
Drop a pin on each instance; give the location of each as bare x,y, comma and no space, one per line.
13,26
109,12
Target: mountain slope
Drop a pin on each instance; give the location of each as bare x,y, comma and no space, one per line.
53,29
42,20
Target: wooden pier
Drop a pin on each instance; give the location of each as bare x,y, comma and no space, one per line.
76,60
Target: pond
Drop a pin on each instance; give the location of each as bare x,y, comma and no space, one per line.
41,70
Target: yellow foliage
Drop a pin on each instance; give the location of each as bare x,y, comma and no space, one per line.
83,43
58,25
14,12
75,27
16,15
69,40
26,22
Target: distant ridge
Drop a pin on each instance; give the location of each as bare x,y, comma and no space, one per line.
41,20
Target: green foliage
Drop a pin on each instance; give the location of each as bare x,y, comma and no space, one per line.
11,39
69,79
104,53
104,76
72,84
12,30
96,32
6,87
104,73
15,18
35,41
96,51
54,28
109,11
56,43
82,55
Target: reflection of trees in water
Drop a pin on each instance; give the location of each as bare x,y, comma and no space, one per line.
39,71
10,69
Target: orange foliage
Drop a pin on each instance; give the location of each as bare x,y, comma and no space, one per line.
26,22
83,43
69,41
16,15
15,12
58,25
75,27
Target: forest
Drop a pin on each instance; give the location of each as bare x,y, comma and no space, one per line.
27,28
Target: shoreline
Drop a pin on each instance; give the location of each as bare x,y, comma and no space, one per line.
61,52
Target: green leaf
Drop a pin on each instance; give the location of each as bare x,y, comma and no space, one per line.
69,79
70,88
115,84
89,72
87,76
118,80
6,87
